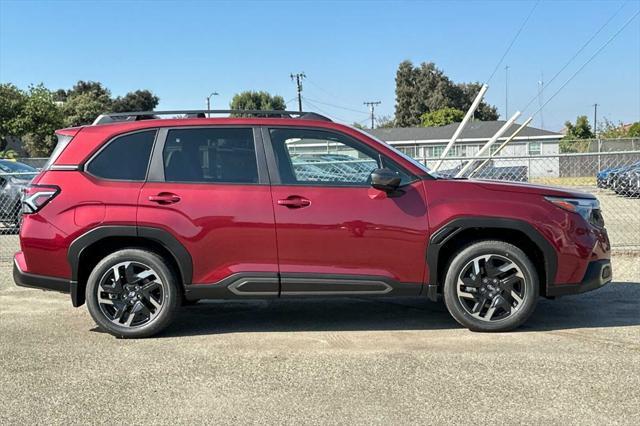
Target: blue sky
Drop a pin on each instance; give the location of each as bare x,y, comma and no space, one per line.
349,50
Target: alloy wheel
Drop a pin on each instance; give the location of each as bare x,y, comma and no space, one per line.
130,294
491,287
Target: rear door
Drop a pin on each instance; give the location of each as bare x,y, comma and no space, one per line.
208,187
336,234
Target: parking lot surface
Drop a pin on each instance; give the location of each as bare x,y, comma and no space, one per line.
355,361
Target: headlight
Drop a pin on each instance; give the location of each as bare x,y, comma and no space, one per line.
588,208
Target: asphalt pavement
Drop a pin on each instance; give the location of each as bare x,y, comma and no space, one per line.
335,361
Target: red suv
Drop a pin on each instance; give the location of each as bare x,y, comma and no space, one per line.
137,215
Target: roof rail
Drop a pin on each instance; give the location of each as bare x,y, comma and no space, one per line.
116,117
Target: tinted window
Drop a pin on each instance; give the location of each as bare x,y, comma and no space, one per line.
321,157
210,155
124,158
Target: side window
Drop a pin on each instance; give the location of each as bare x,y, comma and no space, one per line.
210,155
317,157
124,158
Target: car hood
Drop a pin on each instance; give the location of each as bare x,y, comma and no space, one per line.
554,191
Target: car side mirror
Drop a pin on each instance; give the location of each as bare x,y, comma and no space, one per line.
385,180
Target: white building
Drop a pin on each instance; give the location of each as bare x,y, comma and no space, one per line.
428,144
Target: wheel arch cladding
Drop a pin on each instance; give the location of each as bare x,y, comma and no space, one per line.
452,236
88,249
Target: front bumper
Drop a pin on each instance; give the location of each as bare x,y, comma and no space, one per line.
598,274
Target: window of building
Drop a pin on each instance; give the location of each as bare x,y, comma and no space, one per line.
534,148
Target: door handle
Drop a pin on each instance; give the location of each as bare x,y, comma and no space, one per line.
164,198
294,202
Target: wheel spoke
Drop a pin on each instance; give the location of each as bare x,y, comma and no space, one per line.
130,274
506,284
489,314
516,297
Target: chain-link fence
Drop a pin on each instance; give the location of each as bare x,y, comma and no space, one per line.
612,175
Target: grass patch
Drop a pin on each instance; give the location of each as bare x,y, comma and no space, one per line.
566,181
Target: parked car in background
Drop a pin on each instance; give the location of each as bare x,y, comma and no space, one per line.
628,182
14,177
609,177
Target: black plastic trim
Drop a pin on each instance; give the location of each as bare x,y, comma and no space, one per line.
598,274
269,284
42,282
240,285
450,229
168,241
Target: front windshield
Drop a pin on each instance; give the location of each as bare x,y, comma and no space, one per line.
402,154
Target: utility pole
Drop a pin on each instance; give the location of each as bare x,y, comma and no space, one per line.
541,98
298,78
372,106
595,120
209,102
506,91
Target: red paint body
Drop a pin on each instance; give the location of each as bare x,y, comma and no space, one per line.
230,228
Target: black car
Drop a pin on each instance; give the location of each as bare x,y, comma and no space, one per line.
14,177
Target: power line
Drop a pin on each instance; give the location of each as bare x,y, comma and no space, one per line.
588,61
337,106
325,112
575,55
513,41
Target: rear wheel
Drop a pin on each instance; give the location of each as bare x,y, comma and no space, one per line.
491,286
132,293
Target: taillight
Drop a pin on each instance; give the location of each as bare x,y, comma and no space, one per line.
35,197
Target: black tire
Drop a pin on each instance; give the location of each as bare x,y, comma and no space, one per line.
167,294
462,300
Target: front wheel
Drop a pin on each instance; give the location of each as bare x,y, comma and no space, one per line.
132,293
491,286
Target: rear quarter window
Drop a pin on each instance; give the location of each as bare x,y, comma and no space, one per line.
124,158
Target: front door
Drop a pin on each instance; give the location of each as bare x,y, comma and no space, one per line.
335,233
208,188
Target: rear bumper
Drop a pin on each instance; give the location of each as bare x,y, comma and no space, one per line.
25,279
597,275
42,282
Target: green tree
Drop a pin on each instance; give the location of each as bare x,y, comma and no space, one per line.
426,88
263,101
385,122
140,100
93,87
577,136
82,109
634,130
39,120
441,117
610,130
358,126
407,113
12,101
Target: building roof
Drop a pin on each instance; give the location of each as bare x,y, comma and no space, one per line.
475,130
